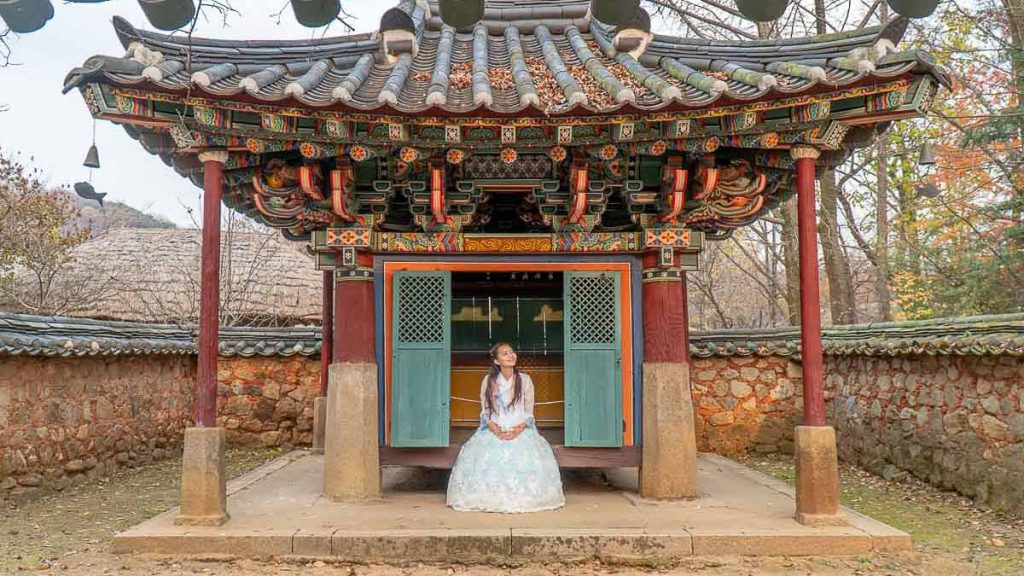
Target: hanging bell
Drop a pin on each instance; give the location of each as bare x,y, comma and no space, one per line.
92,158
24,16
168,14
927,155
762,10
461,13
914,8
614,12
316,13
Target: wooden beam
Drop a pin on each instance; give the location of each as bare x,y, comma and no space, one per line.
567,457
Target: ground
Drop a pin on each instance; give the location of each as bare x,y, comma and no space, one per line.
69,533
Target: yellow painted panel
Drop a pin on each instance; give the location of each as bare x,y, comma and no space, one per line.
547,382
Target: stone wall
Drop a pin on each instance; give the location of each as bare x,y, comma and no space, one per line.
65,420
82,398
954,421
941,400
267,400
745,403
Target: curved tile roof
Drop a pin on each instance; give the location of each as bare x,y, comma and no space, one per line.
24,335
970,336
525,57
48,336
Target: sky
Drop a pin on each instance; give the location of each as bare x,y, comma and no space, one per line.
53,131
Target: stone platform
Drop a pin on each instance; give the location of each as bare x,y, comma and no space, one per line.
277,510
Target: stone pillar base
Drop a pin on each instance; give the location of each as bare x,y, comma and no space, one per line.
817,477
668,468
319,423
203,479
351,449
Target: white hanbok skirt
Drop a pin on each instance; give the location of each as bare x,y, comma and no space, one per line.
511,476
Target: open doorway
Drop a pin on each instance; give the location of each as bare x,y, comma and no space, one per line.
522,308
575,343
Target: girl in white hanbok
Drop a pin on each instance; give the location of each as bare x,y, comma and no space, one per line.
506,466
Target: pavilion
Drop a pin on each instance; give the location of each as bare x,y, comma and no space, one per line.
536,176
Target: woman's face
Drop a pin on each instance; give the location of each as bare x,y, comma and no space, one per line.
505,357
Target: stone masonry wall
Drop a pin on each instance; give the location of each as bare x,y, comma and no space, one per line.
267,400
954,421
942,400
64,420
745,403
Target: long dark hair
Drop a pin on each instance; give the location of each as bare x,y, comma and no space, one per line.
492,379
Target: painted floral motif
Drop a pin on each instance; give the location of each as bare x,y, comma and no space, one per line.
558,153
455,156
608,152
255,146
658,148
309,150
509,155
408,154
359,153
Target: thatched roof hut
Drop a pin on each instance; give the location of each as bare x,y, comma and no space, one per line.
152,275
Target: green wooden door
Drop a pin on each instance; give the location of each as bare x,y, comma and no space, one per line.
420,358
593,359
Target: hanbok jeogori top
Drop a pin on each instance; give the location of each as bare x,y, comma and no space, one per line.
508,415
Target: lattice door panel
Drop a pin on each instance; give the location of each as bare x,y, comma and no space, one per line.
420,359
593,359
421,309
592,300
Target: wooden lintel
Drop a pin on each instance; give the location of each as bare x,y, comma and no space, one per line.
567,457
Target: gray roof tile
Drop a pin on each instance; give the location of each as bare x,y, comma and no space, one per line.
548,33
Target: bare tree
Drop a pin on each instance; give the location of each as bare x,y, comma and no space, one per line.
39,231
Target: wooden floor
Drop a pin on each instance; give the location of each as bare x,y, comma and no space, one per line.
625,457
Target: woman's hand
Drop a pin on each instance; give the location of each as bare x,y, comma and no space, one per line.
515,432
506,434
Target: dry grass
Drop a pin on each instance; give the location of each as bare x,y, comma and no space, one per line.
50,529
945,525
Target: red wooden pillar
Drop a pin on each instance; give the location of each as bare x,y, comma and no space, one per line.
810,301
353,324
669,459
209,289
326,330
352,435
665,319
684,306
